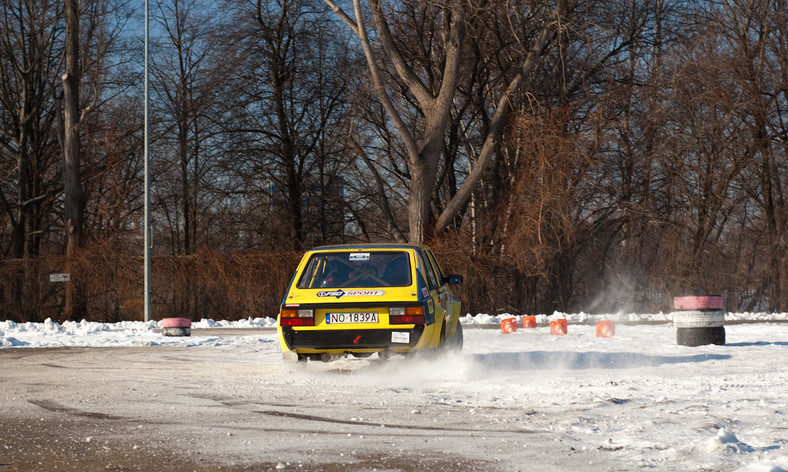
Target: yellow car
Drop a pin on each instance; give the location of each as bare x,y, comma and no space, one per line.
362,299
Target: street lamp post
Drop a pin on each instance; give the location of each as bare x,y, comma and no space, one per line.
147,237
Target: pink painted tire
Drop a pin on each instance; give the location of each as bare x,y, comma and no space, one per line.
699,302
176,327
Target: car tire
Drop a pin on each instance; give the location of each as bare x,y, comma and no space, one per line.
385,354
454,343
442,339
292,357
700,336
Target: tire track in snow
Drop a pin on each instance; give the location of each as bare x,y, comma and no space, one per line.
55,407
324,419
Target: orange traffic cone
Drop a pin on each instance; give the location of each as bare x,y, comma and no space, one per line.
558,327
605,329
529,322
508,325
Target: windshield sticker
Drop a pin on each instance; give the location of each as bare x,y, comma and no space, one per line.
352,293
359,256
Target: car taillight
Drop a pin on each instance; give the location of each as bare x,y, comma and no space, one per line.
407,315
296,317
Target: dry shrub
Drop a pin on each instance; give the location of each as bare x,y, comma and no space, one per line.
227,286
490,284
212,284
238,285
109,285
23,295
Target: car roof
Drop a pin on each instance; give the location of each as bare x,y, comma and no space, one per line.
354,247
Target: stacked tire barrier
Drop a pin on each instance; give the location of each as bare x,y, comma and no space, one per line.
176,327
699,320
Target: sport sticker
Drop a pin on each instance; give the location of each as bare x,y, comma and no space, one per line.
352,293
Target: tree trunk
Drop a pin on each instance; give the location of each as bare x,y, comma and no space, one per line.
183,142
419,211
72,186
20,223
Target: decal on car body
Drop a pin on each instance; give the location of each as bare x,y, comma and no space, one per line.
352,293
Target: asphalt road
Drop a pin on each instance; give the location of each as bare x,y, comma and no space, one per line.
201,408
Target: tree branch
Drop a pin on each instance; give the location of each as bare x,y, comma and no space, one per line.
380,88
540,47
381,188
343,16
412,81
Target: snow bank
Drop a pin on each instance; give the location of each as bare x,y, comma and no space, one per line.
484,318
141,333
124,333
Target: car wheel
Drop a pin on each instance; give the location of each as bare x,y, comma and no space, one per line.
700,336
385,354
326,357
291,357
442,338
454,343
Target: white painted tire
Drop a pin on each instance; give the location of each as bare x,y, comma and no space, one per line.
698,319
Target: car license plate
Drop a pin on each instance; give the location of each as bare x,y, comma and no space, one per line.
347,318
400,337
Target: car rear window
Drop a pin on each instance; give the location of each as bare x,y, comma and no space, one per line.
343,269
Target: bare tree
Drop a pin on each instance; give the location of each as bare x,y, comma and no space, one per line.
28,64
73,204
287,132
29,160
73,201
424,142
751,35
191,70
89,37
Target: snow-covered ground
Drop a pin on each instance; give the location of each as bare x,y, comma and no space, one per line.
521,401
139,333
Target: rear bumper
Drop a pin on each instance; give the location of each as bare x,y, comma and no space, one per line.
349,340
